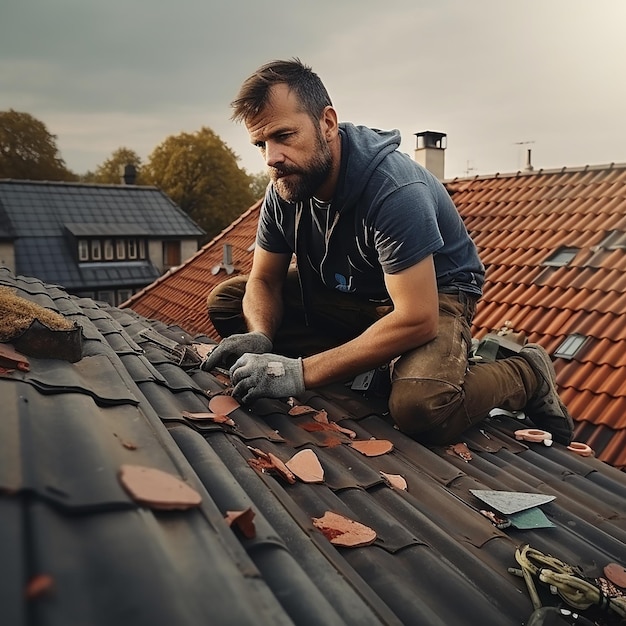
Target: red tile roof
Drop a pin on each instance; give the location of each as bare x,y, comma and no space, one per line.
518,222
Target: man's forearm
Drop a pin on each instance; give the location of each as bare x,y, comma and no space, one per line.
386,339
262,307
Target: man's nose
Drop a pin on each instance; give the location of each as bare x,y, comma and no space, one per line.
273,154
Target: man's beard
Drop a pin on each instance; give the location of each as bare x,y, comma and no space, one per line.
303,182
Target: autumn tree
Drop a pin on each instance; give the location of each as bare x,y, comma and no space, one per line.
28,151
259,184
199,172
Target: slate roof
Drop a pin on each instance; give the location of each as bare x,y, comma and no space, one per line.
78,549
38,216
518,221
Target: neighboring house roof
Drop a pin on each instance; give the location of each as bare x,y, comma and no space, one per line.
181,293
39,216
78,548
519,221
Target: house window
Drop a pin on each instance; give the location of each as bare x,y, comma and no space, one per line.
142,248
563,256
107,296
132,248
171,253
120,249
571,345
123,295
109,250
83,250
96,250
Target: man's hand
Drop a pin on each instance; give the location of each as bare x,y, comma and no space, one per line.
266,376
231,348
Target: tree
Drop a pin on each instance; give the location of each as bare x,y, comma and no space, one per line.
199,172
28,151
259,184
110,171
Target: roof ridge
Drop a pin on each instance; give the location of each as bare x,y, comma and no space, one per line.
534,172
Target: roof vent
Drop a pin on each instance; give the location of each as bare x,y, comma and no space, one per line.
529,165
227,261
430,151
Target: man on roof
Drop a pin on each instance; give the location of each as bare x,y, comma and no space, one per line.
386,273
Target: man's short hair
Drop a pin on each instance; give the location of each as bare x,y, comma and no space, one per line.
253,95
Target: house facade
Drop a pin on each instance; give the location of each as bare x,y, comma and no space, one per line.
100,241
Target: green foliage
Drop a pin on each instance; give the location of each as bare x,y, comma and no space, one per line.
199,172
28,151
259,184
110,172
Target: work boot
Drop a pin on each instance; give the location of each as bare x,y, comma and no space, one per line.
545,408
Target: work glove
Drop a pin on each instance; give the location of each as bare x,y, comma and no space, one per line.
266,376
231,348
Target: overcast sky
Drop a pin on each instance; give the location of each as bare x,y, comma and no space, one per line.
493,75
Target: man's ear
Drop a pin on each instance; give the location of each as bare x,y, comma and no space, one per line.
329,124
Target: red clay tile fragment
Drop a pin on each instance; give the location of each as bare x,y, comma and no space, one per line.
395,480
157,489
343,531
223,405
11,359
38,586
267,462
616,573
243,520
306,466
204,349
301,409
460,449
372,447
211,417
282,469
129,445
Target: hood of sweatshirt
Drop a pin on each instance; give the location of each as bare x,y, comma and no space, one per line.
362,149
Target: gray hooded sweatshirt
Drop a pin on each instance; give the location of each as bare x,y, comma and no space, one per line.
388,213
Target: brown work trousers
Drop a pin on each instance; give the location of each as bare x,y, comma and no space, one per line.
436,393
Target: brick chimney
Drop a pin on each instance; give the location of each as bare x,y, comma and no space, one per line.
129,174
430,151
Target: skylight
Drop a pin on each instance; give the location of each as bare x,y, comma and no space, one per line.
569,348
563,256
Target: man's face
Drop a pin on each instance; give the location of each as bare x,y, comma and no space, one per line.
294,147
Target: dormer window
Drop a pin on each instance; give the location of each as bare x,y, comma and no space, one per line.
563,256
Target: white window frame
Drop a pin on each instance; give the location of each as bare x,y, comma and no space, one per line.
120,249
83,250
109,250
132,249
96,250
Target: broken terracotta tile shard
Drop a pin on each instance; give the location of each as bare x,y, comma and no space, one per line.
211,417
301,409
157,489
204,349
11,359
460,449
38,586
281,468
129,445
223,405
243,520
306,466
372,447
345,431
616,573
343,531
268,462
395,480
